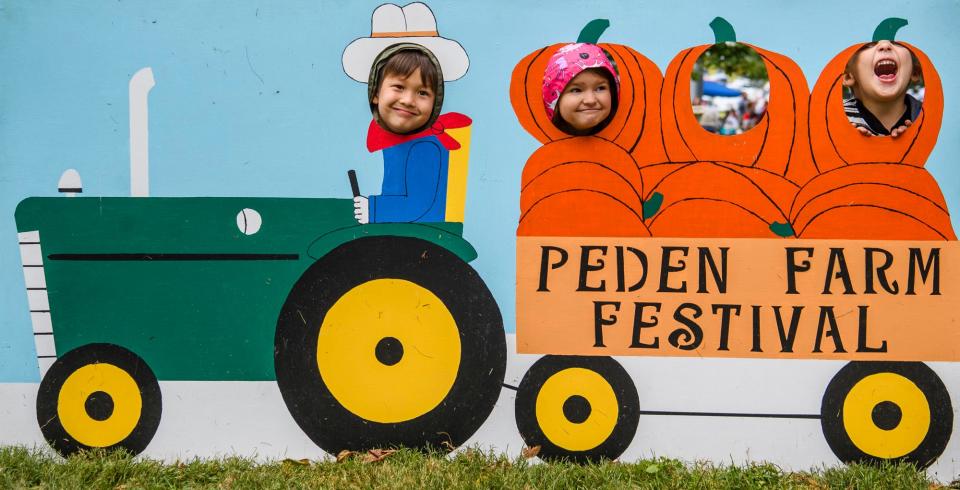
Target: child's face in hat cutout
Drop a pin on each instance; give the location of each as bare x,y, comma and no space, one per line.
586,101
404,103
881,72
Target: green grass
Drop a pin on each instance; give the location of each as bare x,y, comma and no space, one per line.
24,468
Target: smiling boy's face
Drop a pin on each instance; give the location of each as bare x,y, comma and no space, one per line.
881,72
404,103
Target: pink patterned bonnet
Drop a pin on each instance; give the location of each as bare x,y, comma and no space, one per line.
566,64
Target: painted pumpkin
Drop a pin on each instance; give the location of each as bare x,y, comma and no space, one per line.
778,142
719,199
636,125
878,201
566,190
834,140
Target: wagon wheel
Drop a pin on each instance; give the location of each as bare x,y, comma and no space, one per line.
99,396
583,409
887,411
389,341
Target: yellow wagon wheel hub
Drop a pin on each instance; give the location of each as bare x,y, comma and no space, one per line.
388,350
876,390
577,384
93,380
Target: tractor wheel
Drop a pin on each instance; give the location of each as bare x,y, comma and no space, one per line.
99,396
887,411
582,409
389,341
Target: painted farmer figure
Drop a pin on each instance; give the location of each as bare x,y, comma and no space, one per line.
405,63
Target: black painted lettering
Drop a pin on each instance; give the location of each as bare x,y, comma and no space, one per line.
838,262
719,276
687,338
599,321
862,334
586,267
724,311
924,268
639,323
827,316
756,328
642,257
666,268
545,261
880,271
621,273
788,335
793,267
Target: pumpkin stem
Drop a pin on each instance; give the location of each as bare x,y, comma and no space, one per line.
887,29
723,31
593,30
652,205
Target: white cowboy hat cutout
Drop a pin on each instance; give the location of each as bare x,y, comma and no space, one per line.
413,23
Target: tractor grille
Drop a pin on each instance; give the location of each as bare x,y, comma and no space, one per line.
36,283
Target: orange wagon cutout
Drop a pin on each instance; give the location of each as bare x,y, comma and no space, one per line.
836,143
778,143
588,185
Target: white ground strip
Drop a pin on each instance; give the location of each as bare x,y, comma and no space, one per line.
216,419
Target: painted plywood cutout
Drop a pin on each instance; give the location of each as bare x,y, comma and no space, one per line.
799,239
662,272
305,291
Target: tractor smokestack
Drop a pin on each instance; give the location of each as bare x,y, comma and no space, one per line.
140,85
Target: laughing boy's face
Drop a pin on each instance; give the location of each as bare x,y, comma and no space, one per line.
881,72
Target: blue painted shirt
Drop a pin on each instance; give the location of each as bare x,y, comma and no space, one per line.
414,183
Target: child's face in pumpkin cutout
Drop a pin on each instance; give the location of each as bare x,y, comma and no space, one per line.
586,100
881,72
404,103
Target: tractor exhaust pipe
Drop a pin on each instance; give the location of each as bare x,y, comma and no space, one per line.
140,85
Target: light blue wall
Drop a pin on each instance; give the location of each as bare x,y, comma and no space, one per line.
251,99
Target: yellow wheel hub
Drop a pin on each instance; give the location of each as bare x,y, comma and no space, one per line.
604,410
388,312
89,379
858,415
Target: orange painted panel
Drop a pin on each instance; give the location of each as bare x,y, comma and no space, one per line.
835,299
636,125
836,143
778,143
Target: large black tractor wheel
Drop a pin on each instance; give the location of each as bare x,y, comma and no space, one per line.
390,341
874,412
99,396
582,409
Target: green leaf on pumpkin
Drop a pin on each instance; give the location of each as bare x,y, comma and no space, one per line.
781,229
652,205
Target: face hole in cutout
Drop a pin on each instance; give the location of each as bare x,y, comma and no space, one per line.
883,89
729,89
588,102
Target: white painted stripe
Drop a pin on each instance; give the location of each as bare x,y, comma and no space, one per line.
29,236
45,345
31,255
41,322
44,365
34,277
38,300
